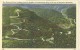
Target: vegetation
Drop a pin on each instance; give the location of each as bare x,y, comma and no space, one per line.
38,28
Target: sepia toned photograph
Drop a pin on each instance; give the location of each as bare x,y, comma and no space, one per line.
39,26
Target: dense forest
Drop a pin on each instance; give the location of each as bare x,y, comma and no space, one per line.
38,28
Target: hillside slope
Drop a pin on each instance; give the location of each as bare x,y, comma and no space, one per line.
36,29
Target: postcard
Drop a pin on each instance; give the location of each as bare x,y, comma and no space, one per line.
40,25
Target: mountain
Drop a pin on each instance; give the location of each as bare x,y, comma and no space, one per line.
46,13
53,16
33,19
57,7
32,22
71,12
36,28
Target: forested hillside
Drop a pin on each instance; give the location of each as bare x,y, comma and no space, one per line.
38,28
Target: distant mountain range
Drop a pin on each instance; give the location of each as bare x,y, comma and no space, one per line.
57,7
